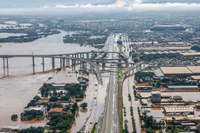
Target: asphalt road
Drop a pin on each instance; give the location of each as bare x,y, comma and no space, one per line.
110,116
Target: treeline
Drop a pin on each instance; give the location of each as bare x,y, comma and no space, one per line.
30,35
84,38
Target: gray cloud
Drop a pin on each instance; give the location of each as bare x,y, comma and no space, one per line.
131,5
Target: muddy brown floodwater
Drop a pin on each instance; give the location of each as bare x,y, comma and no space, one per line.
18,89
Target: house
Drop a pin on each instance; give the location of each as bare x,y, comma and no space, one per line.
37,108
54,111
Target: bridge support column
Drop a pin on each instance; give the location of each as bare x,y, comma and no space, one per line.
127,65
73,65
103,66
63,61
76,55
43,67
7,66
67,62
53,64
87,55
4,67
80,64
136,69
84,65
33,64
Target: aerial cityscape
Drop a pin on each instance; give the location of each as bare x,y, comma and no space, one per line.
100,66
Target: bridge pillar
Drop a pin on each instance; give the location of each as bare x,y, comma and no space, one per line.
4,67
7,66
137,68
127,65
33,64
43,67
76,55
103,66
87,54
73,65
68,62
63,61
53,63
85,65
80,64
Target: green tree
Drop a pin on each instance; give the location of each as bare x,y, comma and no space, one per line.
32,130
14,117
84,105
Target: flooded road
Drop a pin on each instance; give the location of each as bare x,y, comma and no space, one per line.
95,97
128,89
17,90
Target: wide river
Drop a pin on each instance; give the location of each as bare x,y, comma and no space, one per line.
18,89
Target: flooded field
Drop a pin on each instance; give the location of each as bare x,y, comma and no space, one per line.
18,89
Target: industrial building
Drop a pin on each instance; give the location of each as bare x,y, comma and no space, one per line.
169,28
184,110
155,97
180,71
182,87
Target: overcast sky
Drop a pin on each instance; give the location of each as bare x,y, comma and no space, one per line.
39,3
46,6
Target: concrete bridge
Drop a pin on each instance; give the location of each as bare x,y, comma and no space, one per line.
94,59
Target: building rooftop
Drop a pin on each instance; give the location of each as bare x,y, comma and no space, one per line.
155,93
37,108
196,77
191,54
175,70
58,110
194,69
182,86
178,109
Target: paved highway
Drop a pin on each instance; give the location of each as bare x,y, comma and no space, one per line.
110,121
